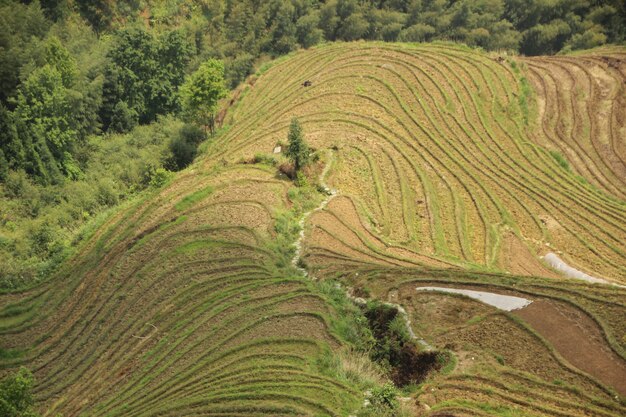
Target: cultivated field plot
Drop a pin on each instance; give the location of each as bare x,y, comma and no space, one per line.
447,160
561,355
582,113
450,168
183,304
437,159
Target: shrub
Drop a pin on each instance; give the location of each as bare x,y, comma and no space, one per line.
184,147
237,69
264,159
395,349
297,150
154,176
16,399
382,402
384,396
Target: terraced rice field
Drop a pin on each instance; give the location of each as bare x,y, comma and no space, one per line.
186,302
183,304
582,111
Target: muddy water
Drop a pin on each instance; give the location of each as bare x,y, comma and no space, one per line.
557,263
502,302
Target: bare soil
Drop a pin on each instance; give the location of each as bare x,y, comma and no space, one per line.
578,339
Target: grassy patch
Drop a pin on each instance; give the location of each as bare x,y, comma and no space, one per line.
524,97
193,198
560,159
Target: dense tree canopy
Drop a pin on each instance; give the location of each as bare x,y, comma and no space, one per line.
143,76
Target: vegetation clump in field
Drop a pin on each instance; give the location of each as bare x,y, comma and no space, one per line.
395,348
16,399
202,91
297,150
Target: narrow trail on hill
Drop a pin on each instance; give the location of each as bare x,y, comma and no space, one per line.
331,193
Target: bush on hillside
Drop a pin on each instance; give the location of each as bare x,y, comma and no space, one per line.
16,399
184,147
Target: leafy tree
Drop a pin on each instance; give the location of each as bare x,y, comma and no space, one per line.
589,39
184,147
16,399
10,144
282,27
58,57
545,38
419,32
123,118
201,92
21,29
101,14
238,68
4,166
297,150
145,73
44,107
353,27
308,32
329,21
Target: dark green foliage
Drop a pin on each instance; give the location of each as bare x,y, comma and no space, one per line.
297,149
102,14
395,349
184,146
388,329
308,32
281,23
10,144
16,399
4,166
21,29
97,12
238,68
144,74
123,118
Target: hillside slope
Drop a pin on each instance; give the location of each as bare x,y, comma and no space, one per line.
434,153
186,302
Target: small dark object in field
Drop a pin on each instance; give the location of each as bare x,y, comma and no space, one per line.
307,83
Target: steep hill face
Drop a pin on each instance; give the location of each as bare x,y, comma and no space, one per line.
187,302
437,158
182,304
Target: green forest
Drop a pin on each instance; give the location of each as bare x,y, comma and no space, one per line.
101,100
